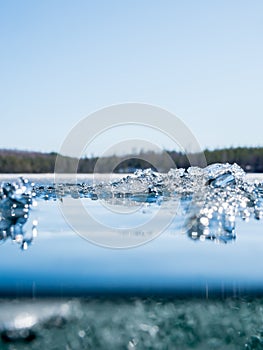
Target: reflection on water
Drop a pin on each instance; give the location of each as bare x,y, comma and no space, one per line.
209,199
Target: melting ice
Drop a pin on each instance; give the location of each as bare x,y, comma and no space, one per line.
211,199
16,199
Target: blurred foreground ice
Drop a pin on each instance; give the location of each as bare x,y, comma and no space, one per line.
16,200
132,323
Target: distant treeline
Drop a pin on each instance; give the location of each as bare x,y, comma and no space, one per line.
13,161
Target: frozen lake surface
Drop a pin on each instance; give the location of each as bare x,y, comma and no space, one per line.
152,264
167,245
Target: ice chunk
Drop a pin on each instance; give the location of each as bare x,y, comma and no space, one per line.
222,175
15,201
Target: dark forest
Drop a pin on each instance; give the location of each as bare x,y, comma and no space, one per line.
14,161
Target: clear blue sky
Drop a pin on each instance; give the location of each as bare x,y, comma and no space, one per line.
61,60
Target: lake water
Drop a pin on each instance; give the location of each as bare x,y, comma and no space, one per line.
140,270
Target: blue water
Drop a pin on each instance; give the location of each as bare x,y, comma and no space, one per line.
63,260
60,262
